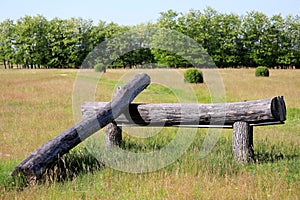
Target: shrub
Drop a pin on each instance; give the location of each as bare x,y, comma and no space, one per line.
262,71
100,68
193,76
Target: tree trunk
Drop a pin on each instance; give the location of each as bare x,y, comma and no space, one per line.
256,112
34,166
242,142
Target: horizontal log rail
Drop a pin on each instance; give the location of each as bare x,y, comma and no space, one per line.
257,113
240,116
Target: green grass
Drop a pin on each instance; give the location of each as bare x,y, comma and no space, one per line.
36,105
293,114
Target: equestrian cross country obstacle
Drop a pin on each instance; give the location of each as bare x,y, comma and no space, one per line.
241,116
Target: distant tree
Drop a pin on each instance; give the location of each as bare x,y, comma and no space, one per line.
288,42
227,38
81,44
131,47
6,43
295,26
168,19
253,27
97,34
231,40
30,41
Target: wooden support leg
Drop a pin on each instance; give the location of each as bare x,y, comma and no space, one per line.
113,135
242,142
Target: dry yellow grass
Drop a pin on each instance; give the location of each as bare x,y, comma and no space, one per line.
34,107
241,84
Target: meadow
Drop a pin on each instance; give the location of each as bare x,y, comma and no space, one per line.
36,105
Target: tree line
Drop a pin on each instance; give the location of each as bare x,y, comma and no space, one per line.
231,40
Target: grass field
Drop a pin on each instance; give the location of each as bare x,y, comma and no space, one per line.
36,105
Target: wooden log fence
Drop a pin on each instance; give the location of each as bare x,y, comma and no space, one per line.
240,116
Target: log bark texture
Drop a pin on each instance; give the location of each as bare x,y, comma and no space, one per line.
242,142
34,166
271,110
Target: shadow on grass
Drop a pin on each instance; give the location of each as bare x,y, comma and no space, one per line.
267,157
70,166
274,153
67,168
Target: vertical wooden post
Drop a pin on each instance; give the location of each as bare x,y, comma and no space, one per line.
113,132
242,142
113,135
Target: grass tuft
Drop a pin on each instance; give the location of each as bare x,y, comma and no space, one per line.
67,168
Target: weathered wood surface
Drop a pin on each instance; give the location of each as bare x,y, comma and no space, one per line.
242,142
34,166
257,112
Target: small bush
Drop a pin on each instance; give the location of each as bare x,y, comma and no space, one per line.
193,76
262,71
100,68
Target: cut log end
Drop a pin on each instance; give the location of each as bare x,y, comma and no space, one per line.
278,108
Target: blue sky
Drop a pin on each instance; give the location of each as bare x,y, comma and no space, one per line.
131,12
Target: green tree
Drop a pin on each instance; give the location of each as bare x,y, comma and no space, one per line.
295,26
30,41
227,38
6,43
68,42
254,27
168,19
80,46
97,34
130,47
288,42
162,56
